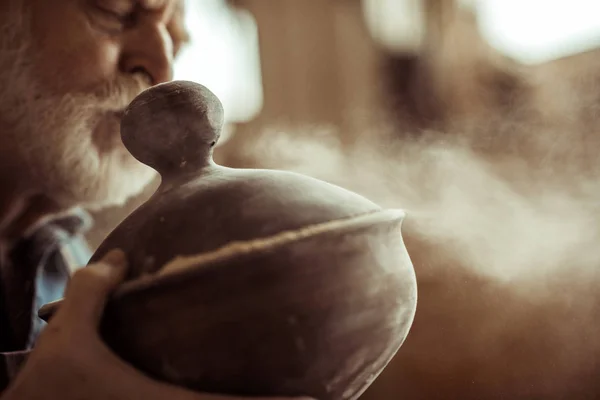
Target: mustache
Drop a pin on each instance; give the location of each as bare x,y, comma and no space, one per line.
116,94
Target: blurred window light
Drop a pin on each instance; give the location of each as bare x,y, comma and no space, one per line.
529,31
398,25
536,31
223,56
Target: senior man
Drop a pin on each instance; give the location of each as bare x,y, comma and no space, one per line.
67,70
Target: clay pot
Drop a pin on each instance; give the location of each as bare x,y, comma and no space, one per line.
251,282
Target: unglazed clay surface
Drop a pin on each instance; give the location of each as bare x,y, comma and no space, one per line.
201,206
251,282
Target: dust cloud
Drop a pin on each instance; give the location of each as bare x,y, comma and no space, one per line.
500,215
503,227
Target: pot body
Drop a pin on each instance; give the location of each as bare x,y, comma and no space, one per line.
318,315
251,282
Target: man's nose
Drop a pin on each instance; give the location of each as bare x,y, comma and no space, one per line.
149,49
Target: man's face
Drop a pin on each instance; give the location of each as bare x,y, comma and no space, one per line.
67,69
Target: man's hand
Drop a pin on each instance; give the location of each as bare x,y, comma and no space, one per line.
71,361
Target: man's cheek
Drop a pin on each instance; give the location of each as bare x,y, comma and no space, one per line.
71,55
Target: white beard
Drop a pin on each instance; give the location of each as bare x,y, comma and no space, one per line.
53,144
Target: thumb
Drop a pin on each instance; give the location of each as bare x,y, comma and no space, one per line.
89,288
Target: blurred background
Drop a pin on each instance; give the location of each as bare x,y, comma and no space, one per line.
481,119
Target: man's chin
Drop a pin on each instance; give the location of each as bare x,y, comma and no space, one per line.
111,187
120,176
116,194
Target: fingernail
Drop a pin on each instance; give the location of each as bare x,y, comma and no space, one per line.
115,257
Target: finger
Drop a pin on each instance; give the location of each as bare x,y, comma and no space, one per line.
89,288
48,310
